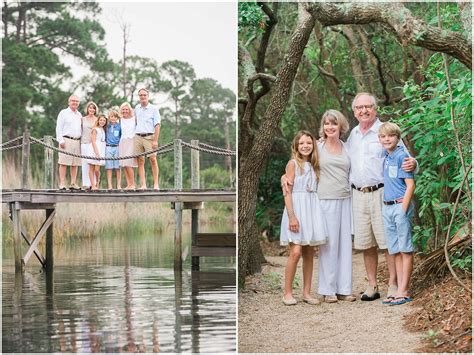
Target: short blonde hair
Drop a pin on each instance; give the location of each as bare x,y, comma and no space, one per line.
144,89
390,129
126,104
334,116
374,99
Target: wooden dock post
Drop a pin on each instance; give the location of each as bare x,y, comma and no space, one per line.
178,207
195,168
25,160
15,213
48,164
49,243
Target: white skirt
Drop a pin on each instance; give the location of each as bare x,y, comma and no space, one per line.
313,230
89,151
126,148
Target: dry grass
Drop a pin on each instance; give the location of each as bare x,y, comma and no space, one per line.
87,220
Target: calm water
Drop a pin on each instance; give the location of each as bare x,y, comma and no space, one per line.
119,294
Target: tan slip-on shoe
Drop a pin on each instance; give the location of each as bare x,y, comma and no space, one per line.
312,301
289,302
347,298
370,294
330,299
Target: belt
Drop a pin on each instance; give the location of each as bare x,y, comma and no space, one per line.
368,188
144,134
76,139
398,200
112,145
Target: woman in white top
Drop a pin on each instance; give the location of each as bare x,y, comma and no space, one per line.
128,123
87,123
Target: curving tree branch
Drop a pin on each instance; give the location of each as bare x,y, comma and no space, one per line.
400,21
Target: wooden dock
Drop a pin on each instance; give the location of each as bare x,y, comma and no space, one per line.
203,244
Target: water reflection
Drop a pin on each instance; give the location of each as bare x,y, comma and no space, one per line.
96,301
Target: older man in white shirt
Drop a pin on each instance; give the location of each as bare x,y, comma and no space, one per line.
68,134
366,179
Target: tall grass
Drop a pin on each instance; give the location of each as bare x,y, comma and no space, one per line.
85,220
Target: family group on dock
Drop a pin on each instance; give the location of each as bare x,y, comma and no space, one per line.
118,135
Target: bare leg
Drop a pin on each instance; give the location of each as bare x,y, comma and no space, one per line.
97,175
155,171
371,261
73,175
92,177
290,269
131,176
62,175
308,258
393,275
109,178
118,174
141,172
407,268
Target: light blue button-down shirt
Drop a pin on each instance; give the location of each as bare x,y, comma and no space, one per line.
147,118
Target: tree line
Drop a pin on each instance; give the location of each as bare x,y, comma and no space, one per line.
37,81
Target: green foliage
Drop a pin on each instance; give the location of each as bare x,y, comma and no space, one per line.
251,17
462,259
427,124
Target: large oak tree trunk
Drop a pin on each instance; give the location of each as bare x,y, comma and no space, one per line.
251,164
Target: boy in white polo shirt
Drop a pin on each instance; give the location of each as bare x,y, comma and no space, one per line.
397,210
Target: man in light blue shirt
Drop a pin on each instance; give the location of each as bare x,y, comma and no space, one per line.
146,136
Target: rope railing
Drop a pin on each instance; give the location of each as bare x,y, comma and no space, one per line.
160,150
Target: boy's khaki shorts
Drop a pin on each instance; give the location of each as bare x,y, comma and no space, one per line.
368,220
143,144
72,146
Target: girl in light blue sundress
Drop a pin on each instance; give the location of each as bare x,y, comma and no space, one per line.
302,224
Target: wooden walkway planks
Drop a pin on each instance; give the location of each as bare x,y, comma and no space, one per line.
56,196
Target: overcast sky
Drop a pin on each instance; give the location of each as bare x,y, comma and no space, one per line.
202,34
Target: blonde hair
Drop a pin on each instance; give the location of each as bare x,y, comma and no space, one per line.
374,99
115,114
390,129
126,104
334,116
93,104
295,154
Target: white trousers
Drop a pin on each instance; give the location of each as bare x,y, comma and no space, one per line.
335,257
85,166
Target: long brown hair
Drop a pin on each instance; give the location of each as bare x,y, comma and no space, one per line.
313,159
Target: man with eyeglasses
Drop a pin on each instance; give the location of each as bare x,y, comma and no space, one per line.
147,132
366,177
68,134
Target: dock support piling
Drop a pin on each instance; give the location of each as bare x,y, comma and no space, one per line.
178,207
195,168
15,212
49,243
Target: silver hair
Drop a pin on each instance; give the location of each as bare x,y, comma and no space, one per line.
374,99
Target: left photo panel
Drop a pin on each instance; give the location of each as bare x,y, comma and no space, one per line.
119,177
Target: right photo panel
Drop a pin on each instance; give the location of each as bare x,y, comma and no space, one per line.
354,177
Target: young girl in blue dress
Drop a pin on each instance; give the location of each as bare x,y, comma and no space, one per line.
302,225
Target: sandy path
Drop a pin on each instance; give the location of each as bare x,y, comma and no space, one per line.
266,325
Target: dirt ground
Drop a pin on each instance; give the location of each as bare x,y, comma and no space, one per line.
266,325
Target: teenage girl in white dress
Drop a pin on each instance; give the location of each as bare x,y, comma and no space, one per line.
302,225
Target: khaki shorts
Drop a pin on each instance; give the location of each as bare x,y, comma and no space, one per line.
72,146
368,221
143,144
